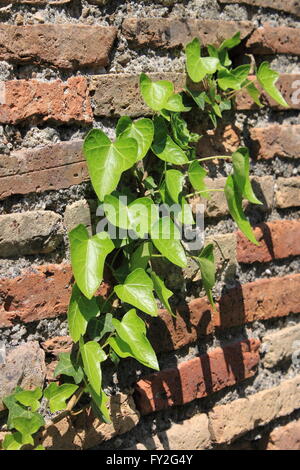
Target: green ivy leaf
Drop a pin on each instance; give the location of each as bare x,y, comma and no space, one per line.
206,262
99,404
29,426
142,130
155,94
132,331
185,214
234,201
181,134
253,92
39,447
199,97
100,326
175,104
137,290
233,79
15,410
58,394
138,216
241,167
267,78
66,366
30,398
166,238
13,441
231,42
141,256
198,67
163,293
92,355
87,257
80,311
197,175
108,160
163,145
174,183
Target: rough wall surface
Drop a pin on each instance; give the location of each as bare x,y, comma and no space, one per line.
228,380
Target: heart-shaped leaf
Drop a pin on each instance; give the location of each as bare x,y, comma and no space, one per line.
132,331
138,216
155,93
13,441
92,355
206,262
58,394
181,134
108,160
253,92
241,167
80,311
163,293
164,146
175,104
267,78
198,67
30,398
137,290
66,366
141,256
15,410
197,175
88,257
234,201
27,426
233,79
99,404
166,238
142,130
174,183
100,326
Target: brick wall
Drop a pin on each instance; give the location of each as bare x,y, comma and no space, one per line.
230,379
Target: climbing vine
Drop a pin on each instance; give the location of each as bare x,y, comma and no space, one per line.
152,164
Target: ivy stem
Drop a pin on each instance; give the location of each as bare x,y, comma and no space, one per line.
217,157
204,191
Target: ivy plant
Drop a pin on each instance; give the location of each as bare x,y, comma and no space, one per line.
152,162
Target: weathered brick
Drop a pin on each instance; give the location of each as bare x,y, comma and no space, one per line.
191,434
216,205
288,84
289,6
285,437
277,240
118,94
84,431
172,32
43,101
46,168
57,345
270,40
197,377
63,45
230,421
224,140
276,141
36,2
256,301
281,345
192,321
41,292
25,367
28,233
287,193
78,213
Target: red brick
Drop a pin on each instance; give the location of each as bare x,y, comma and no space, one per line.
44,101
192,321
276,141
285,437
288,84
289,6
279,239
172,32
198,377
63,45
46,168
259,300
42,292
57,345
269,40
